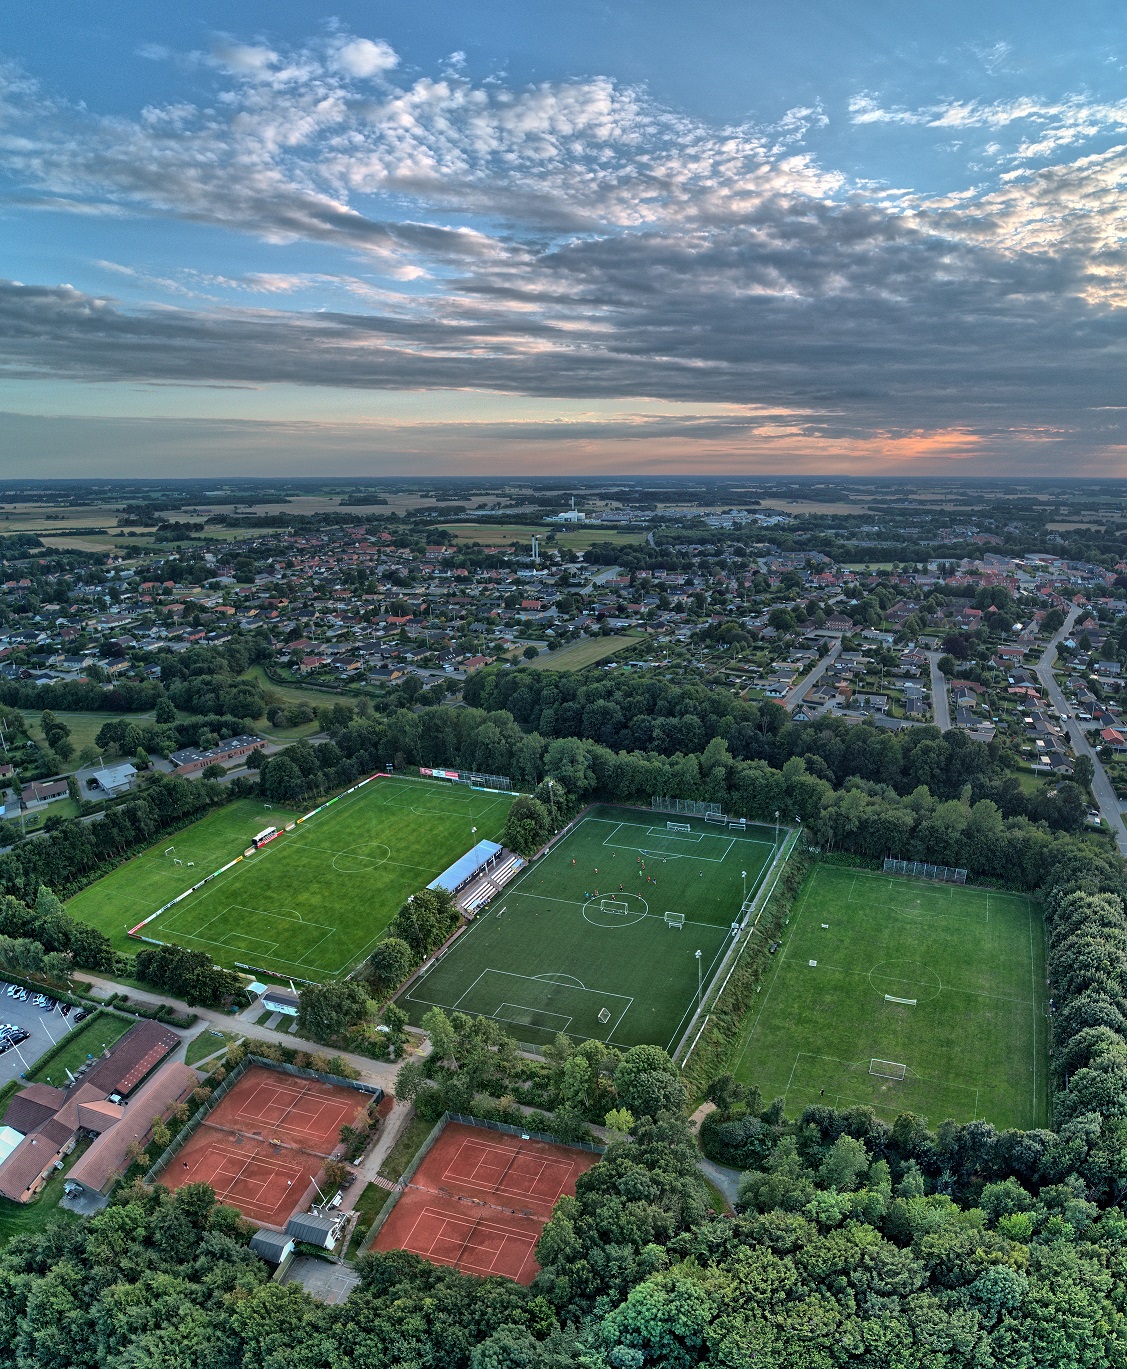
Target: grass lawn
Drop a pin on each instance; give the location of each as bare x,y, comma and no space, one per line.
207,1043
879,975
314,901
369,1203
575,655
21,1219
399,1157
122,898
564,949
89,1038
84,727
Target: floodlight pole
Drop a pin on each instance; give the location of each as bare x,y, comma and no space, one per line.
743,876
699,986
776,827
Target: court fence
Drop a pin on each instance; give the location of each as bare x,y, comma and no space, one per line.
918,869
226,1085
466,1120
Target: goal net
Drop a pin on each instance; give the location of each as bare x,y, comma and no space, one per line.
604,1015
677,827
613,905
888,1069
675,920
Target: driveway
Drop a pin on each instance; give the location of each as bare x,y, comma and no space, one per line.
326,1282
1102,790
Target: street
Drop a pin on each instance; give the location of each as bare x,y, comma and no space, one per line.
1102,791
795,695
940,700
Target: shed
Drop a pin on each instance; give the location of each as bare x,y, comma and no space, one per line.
273,1246
315,1228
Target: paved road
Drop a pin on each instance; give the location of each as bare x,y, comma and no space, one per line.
940,699
1101,786
371,1071
792,699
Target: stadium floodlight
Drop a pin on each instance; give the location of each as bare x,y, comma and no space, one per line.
699,974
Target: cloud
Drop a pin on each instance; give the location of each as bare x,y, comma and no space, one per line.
578,239
363,58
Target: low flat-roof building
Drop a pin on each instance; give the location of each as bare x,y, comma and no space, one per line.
191,759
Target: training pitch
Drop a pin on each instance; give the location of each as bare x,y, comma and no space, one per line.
564,948
312,902
906,995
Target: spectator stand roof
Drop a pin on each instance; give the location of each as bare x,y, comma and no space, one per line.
466,867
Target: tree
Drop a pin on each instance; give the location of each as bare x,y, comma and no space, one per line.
441,1032
530,652
1084,772
619,1122
648,1083
390,964
527,827
213,772
330,1011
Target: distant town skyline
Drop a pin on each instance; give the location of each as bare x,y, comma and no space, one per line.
528,239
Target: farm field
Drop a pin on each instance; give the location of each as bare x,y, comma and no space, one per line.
575,655
879,976
502,534
564,949
312,902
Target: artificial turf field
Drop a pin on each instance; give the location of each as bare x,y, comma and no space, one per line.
973,1045
314,901
547,957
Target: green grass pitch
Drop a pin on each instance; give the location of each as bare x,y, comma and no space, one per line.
565,949
830,1024
314,901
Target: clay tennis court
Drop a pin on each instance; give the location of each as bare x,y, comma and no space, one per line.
480,1200
262,1146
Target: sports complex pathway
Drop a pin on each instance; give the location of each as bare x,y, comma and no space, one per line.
371,1071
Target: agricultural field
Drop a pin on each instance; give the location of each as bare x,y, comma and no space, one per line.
585,940
576,655
578,538
905,995
314,901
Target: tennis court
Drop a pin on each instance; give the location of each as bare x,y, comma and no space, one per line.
264,1144
480,1200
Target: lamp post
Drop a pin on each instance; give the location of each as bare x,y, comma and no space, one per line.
776,827
743,876
699,986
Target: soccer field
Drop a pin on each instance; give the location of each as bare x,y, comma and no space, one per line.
315,900
906,995
580,942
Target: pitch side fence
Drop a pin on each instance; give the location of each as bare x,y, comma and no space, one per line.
917,869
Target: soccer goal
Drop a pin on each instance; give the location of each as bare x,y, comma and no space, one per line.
677,827
888,1069
907,1002
604,1015
675,920
613,905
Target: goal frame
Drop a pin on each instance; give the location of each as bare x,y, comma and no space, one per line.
677,827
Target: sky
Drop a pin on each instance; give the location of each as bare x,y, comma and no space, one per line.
638,237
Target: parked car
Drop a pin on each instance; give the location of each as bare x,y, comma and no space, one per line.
81,1015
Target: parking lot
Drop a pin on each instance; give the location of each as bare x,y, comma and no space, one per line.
45,1027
